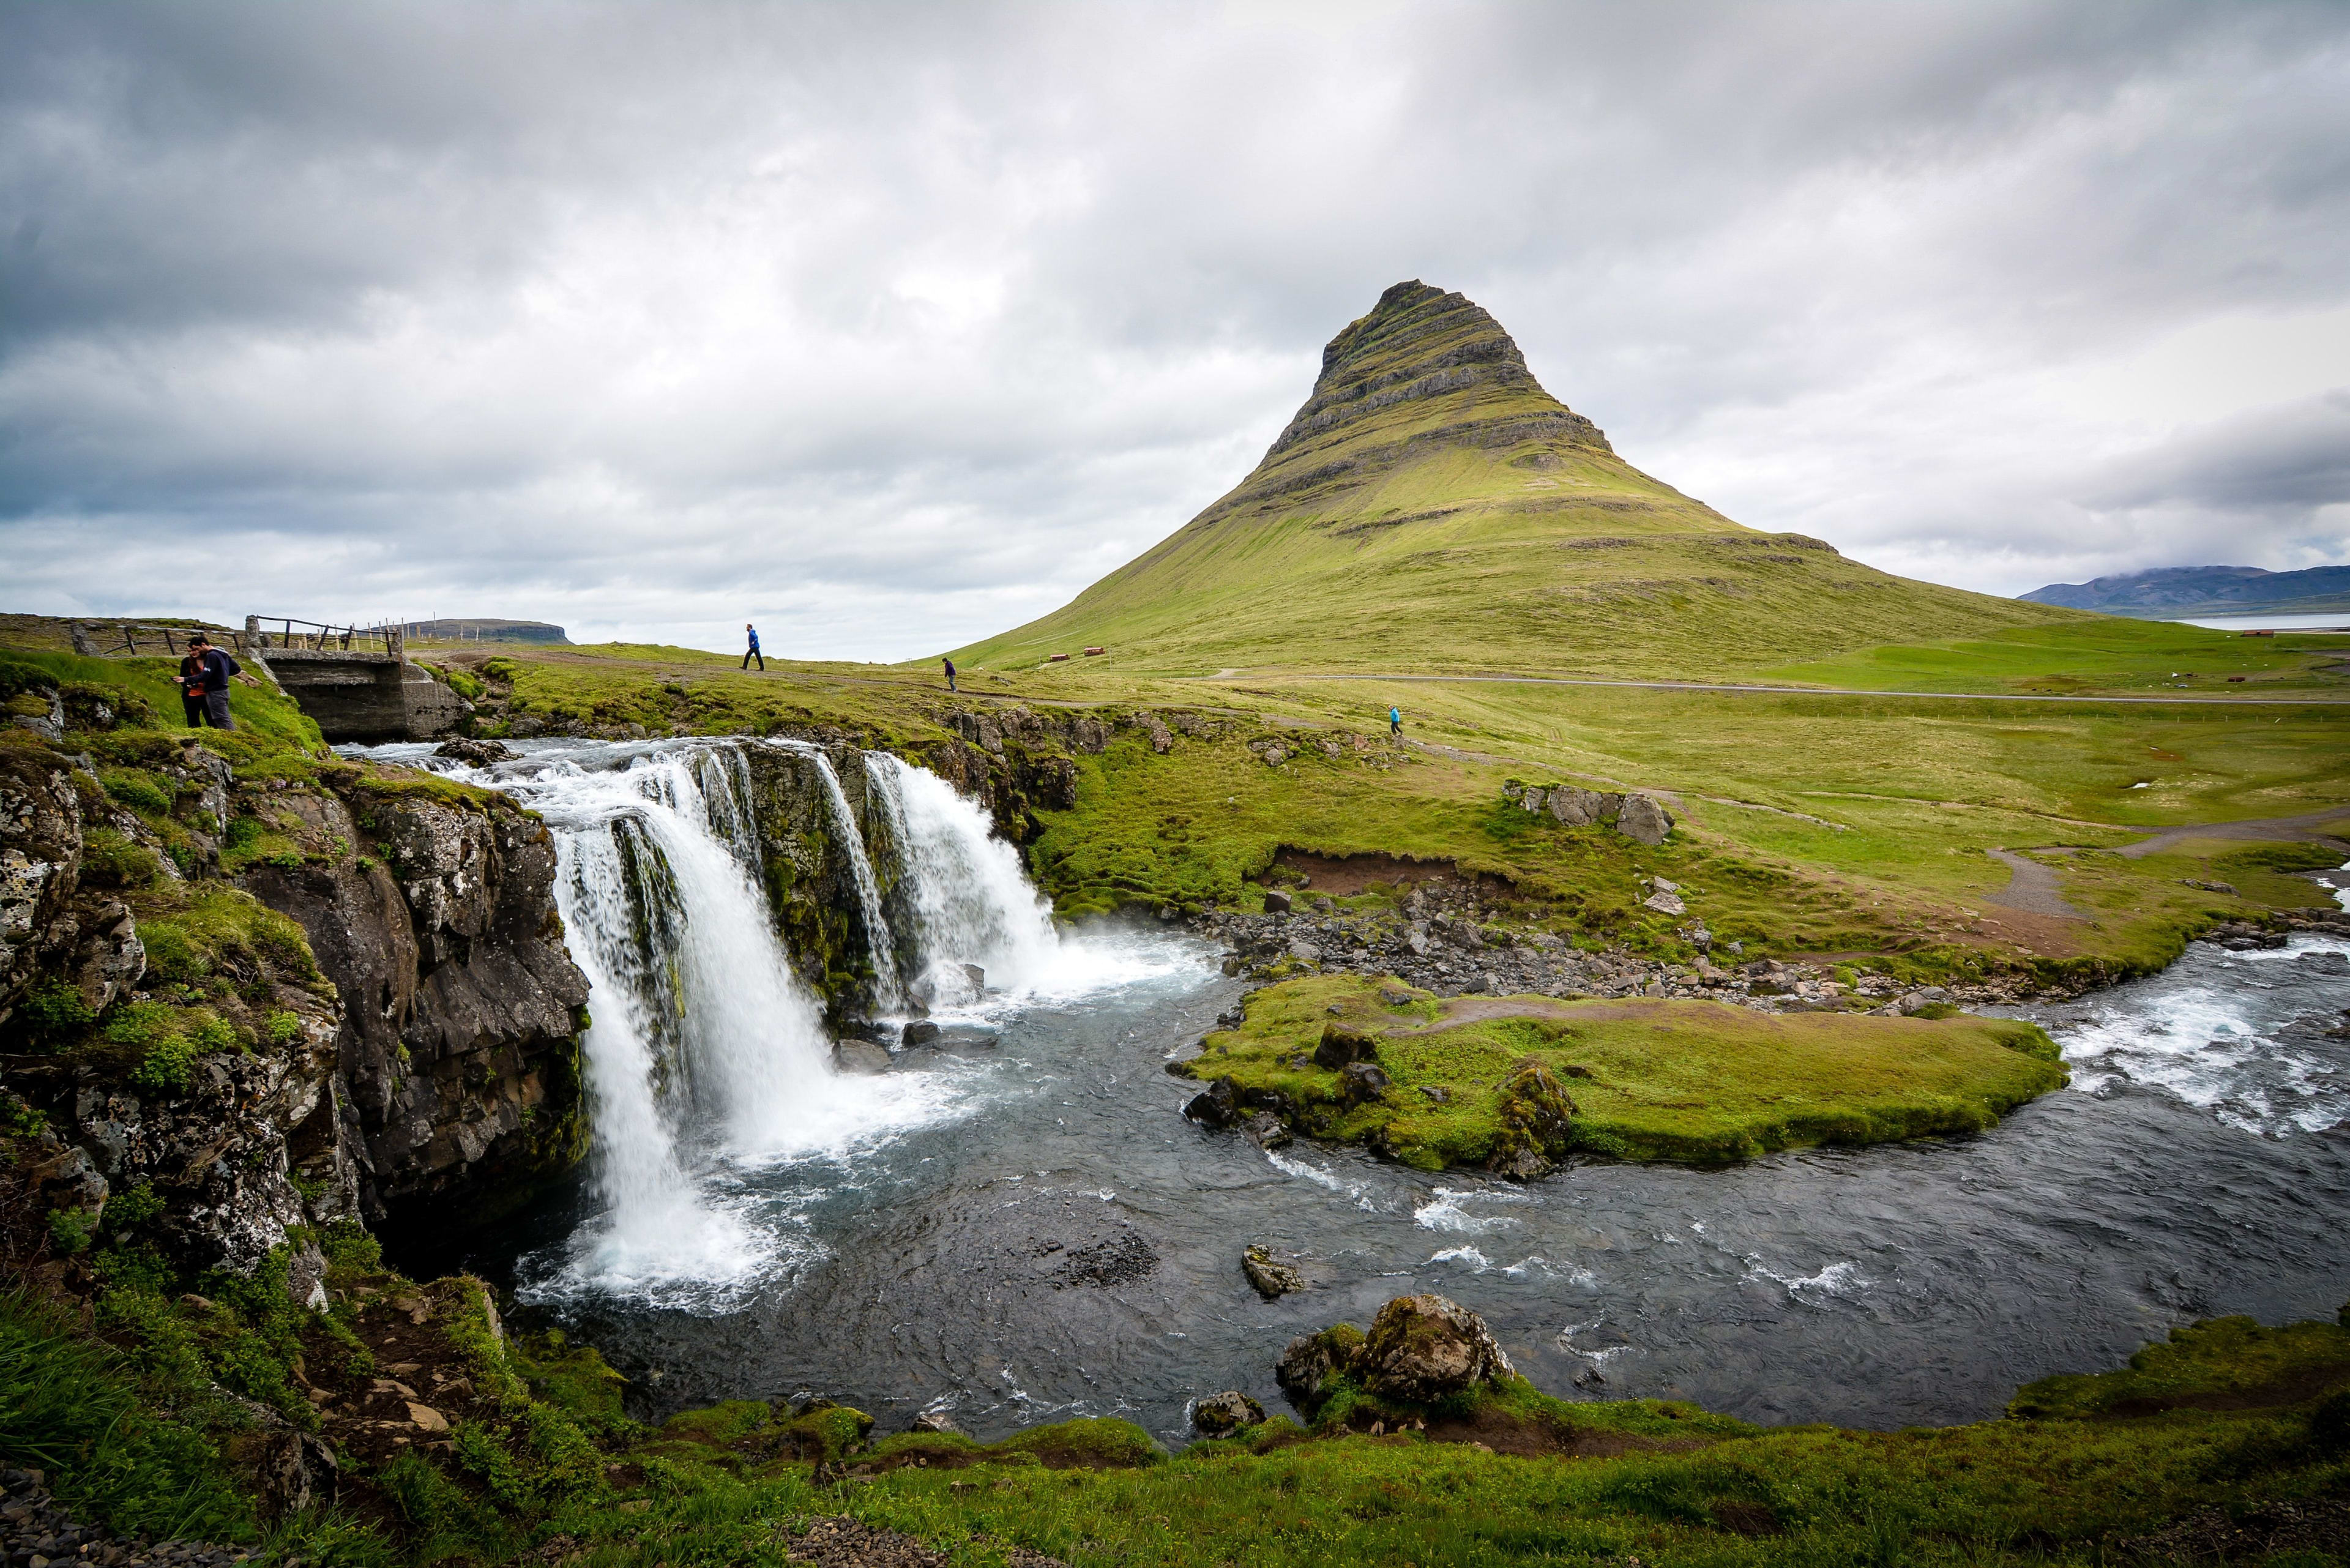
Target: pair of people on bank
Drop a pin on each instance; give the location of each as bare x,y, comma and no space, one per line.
203,681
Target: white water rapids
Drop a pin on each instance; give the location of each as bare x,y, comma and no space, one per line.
707,1058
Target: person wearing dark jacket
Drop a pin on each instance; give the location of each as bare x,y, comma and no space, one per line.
949,664
752,633
203,680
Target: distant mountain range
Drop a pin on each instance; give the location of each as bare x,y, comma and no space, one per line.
2168,592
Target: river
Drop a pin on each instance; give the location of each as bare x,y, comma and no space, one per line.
1020,1226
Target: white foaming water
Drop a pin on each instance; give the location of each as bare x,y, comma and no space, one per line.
967,899
2230,1037
1443,1212
706,1057
1834,1280
1320,1178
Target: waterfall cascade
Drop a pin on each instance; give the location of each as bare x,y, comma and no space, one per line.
707,1055
964,898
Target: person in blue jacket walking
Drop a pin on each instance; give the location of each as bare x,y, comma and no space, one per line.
752,633
1394,723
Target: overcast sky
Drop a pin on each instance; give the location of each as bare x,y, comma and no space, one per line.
888,327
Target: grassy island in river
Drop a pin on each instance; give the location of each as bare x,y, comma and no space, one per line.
1480,1081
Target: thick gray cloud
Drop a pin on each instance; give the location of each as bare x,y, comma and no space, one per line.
893,325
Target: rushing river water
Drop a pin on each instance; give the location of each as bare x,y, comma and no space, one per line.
1021,1226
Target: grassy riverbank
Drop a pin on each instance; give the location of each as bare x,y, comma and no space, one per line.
2227,1429
1696,1082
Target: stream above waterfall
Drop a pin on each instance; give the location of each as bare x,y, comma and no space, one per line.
1018,1225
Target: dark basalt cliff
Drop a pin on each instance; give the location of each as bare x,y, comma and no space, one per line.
458,1060
266,996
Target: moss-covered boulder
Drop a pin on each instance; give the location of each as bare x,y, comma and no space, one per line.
1424,1348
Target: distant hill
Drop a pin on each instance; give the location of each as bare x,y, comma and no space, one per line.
1431,506
2166,592
489,629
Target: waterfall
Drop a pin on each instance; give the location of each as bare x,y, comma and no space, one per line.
964,895
879,947
706,1056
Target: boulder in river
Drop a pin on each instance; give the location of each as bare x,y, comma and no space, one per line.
1267,1130
1424,1348
1217,1105
921,1032
934,1421
1219,1414
1271,1276
473,752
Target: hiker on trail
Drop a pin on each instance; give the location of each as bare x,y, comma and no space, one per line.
203,680
1394,723
752,633
949,664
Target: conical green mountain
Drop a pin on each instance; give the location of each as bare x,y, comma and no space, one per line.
1432,507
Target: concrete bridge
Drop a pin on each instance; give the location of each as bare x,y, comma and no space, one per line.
355,682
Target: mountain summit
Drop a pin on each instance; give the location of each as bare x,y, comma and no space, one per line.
1432,507
1421,345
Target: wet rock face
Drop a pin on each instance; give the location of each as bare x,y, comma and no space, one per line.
811,883
1423,1348
459,1061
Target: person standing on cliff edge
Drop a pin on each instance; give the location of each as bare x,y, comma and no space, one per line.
752,633
949,664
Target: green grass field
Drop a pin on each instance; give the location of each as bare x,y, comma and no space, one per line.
1811,823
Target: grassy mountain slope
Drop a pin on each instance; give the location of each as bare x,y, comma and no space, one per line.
1432,507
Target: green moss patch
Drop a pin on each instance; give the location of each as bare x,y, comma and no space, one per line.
2222,1364
1696,1082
